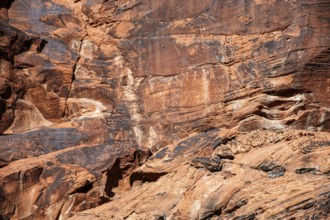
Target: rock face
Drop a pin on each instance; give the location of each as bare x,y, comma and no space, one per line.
259,175
155,109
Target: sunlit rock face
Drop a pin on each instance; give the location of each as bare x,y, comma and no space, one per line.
177,66
90,89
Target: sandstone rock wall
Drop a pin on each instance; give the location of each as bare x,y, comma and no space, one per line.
259,175
90,89
177,67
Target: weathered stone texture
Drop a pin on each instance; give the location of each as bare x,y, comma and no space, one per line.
90,89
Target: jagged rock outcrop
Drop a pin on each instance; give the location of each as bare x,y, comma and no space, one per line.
258,175
13,83
178,67
89,90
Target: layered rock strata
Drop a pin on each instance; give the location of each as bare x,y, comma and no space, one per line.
89,90
258,175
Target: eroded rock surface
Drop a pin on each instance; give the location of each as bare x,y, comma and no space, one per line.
91,90
263,175
176,67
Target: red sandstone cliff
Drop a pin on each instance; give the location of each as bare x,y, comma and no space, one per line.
149,109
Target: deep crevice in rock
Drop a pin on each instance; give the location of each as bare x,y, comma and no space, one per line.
122,169
114,175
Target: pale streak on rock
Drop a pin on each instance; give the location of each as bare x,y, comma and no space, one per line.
167,75
85,107
129,91
30,119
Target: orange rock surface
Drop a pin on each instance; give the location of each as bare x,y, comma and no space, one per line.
144,109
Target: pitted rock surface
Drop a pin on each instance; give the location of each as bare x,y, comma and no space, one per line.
169,109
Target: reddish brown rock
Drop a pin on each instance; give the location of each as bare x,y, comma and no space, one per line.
56,184
181,72
267,175
89,88
12,83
